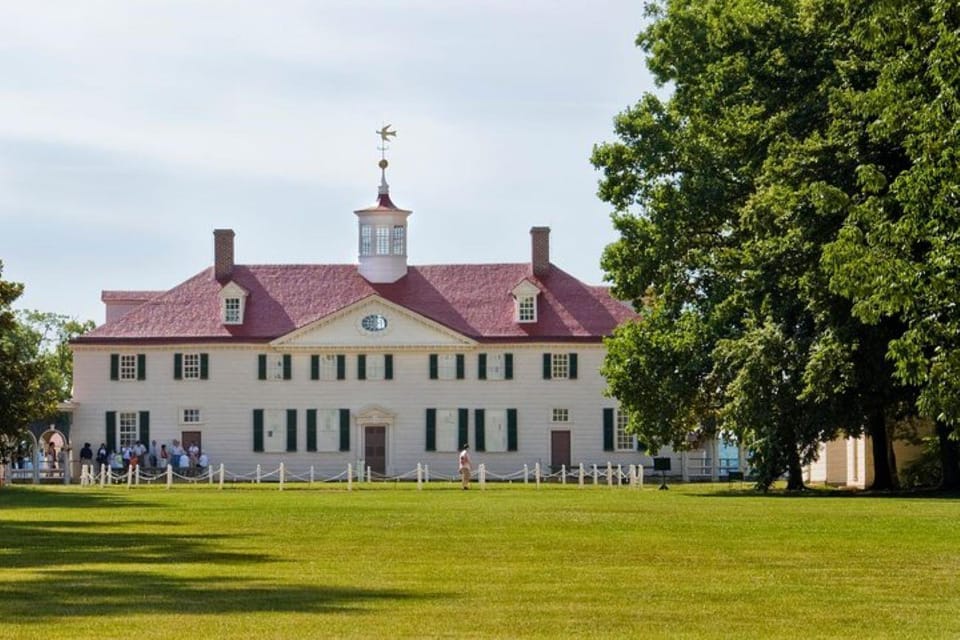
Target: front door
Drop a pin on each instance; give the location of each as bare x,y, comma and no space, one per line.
559,450
188,438
375,449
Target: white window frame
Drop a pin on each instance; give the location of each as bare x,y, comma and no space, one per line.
447,430
622,441
559,366
399,240
232,302
231,311
328,366
376,366
527,309
191,366
495,430
128,366
446,366
366,239
328,430
560,415
383,240
191,415
128,428
274,366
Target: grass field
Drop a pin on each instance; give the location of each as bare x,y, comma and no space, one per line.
511,561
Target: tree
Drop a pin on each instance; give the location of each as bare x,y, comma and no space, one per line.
898,255
23,395
726,195
49,335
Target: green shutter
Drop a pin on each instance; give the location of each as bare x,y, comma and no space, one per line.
431,429
481,366
479,429
361,366
141,366
114,366
461,366
258,429
287,366
344,429
311,429
261,371
511,429
341,367
388,366
573,366
178,366
434,366
608,429
546,366
508,366
314,367
204,366
111,439
463,416
291,429
145,427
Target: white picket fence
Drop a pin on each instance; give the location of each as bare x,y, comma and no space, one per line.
611,476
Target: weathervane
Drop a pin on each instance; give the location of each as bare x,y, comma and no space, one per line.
385,134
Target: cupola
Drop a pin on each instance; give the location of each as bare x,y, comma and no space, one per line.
382,229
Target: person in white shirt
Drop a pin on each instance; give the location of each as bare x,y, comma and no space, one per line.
464,461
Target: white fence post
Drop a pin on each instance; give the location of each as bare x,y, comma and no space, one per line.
639,476
536,473
103,476
609,474
281,476
349,477
258,474
483,476
633,476
210,473
563,474
169,476
426,473
129,476
311,474
619,475
526,474
221,475
419,477
369,475
596,476
580,479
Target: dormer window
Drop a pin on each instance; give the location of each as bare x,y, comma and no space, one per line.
233,299
525,301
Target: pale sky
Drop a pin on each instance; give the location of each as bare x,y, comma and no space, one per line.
130,129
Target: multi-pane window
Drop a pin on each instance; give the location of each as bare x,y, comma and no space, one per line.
383,240
274,366
127,421
624,440
399,240
376,370
190,416
128,366
560,415
447,430
447,366
328,367
527,309
231,311
366,239
560,365
191,366
328,430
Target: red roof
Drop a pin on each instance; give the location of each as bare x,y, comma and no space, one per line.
474,300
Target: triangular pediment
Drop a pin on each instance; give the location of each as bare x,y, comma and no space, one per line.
525,288
373,322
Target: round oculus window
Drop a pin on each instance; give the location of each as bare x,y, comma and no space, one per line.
374,322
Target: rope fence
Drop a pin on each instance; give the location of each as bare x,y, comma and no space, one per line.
608,475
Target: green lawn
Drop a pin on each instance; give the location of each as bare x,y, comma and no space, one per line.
511,561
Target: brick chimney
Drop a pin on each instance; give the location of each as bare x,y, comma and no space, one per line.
540,250
222,254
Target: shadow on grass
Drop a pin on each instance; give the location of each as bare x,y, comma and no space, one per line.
62,543
59,595
828,492
24,497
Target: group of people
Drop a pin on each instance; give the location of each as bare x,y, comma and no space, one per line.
184,460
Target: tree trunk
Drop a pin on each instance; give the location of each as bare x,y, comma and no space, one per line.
883,476
949,459
794,473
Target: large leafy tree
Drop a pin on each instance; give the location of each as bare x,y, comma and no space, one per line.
726,194
898,254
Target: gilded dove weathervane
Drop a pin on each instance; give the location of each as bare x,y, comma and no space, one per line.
385,134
